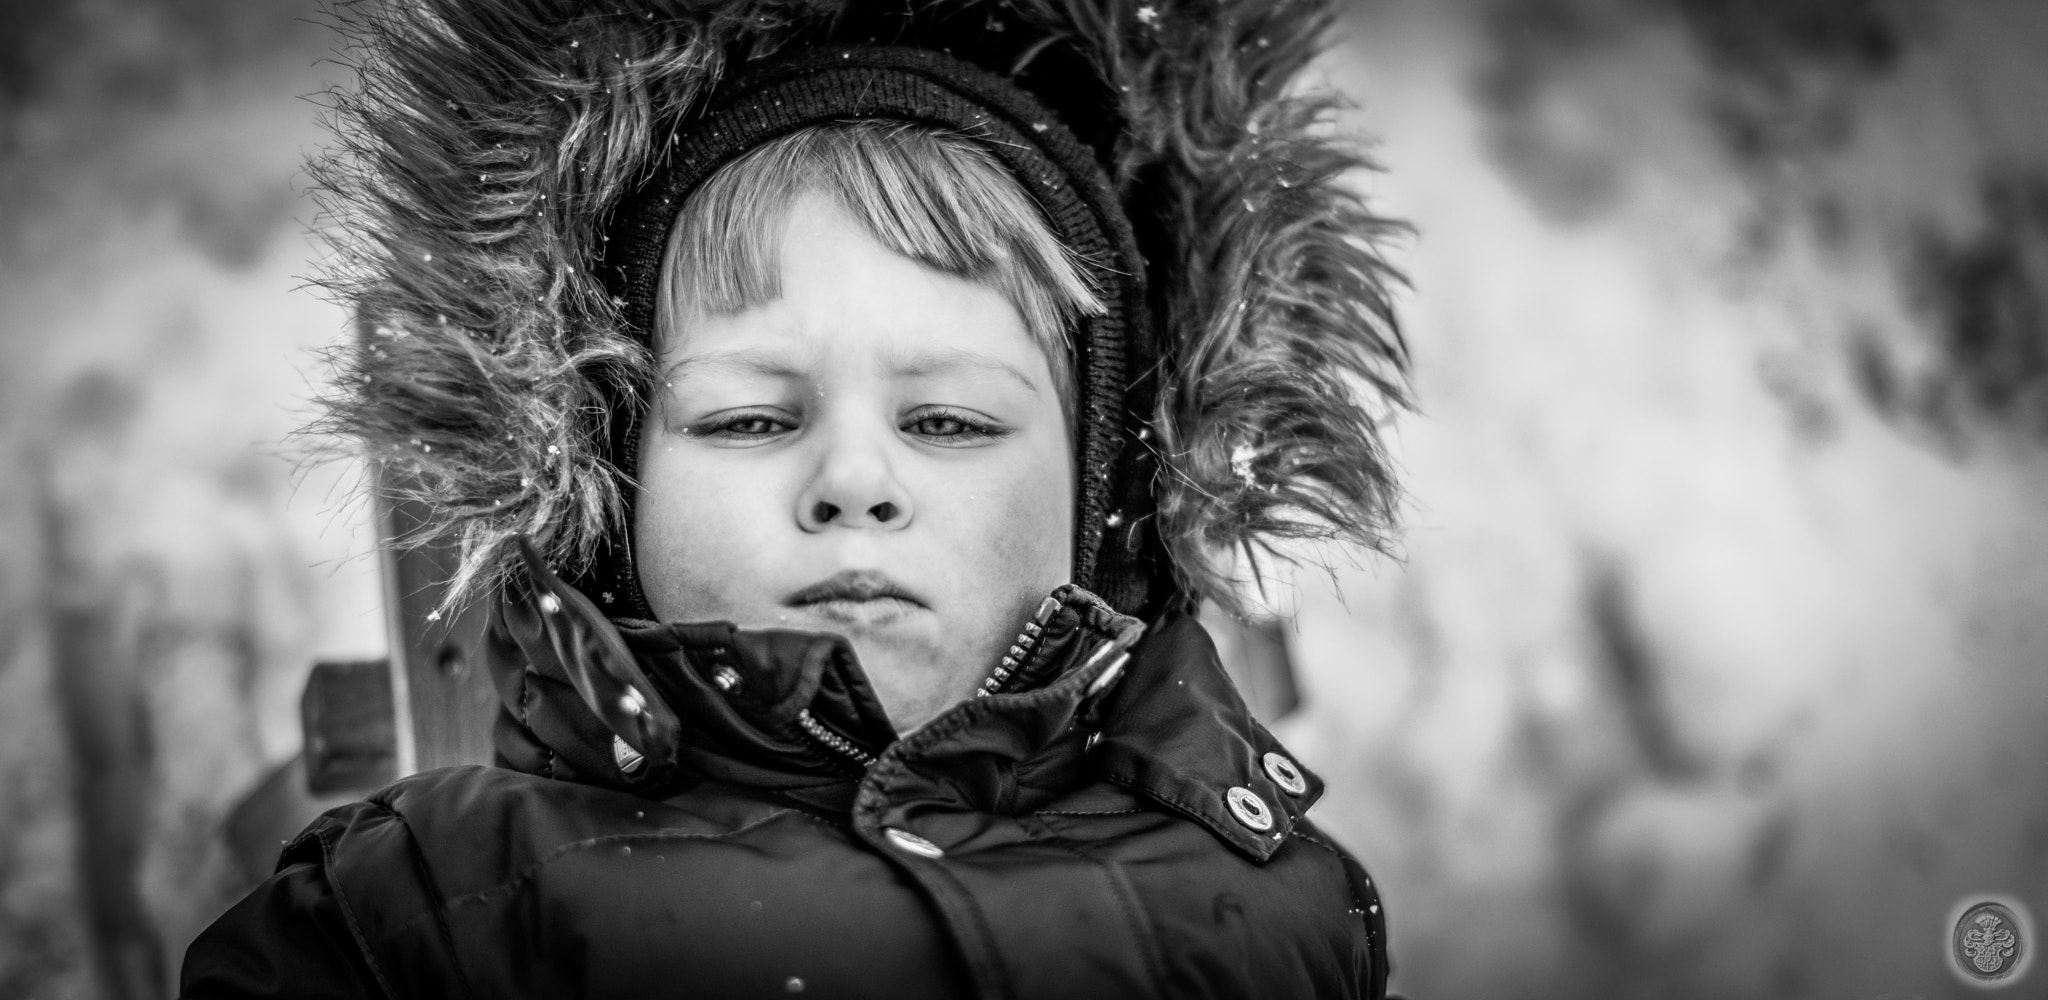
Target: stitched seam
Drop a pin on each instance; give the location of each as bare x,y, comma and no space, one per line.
1086,812
822,821
1161,794
1139,928
1192,812
1318,841
1356,902
348,913
980,922
426,878
1375,937
530,871
934,735
1132,913
1274,802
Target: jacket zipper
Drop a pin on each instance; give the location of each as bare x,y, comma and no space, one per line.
833,744
823,739
1021,649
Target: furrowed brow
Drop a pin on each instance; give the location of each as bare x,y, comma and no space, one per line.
924,363
754,361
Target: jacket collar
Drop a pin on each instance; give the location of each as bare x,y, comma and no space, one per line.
1099,696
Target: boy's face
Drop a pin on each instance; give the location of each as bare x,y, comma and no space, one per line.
879,453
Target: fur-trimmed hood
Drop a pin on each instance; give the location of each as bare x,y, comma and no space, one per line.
486,144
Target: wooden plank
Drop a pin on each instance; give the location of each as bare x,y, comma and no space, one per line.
350,728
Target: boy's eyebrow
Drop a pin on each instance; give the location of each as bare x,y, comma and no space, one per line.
750,361
942,362
778,364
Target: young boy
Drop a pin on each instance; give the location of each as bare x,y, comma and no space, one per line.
796,378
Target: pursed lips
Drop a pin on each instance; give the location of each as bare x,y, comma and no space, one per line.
857,597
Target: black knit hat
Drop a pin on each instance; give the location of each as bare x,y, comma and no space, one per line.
508,170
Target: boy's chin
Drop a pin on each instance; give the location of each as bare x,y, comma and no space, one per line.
918,662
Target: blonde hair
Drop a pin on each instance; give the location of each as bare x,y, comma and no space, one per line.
934,197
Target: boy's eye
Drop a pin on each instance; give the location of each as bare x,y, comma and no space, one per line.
940,426
949,427
741,426
750,425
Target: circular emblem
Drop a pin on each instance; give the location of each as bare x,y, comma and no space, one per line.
1989,942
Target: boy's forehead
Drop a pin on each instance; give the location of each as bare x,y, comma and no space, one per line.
847,302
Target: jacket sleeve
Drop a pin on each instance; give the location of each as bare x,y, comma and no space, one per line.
287,939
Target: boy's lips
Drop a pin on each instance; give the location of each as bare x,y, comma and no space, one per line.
857,597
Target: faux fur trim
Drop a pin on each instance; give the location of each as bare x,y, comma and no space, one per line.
1283,349
485,141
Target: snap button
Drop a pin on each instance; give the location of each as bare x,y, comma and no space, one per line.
911,843
1249,808
628,759
1285,774
726,678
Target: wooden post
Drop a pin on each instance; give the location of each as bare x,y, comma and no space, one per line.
442,693
367,722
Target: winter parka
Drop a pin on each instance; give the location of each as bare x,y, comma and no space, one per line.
1115,826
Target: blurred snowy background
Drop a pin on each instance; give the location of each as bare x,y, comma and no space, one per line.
1718,662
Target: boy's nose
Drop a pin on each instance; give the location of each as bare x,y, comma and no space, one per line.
824,512
854,488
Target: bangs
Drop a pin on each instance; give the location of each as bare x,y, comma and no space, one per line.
933,197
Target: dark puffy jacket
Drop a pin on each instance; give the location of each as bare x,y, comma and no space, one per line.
1100,832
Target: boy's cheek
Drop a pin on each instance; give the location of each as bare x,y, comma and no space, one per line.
1021,526
700,533
1032,516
